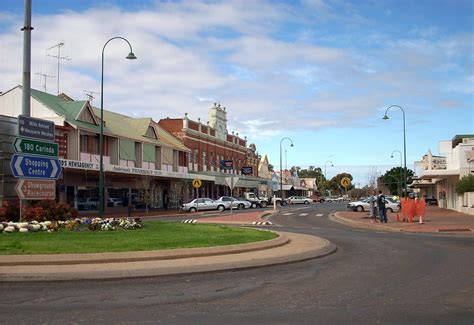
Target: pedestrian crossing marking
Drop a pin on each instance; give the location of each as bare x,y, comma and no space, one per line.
319,215
303,214
288,214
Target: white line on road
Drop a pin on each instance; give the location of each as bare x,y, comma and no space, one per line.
288,214
319,215
303,214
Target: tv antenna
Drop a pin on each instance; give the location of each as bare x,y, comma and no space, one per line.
44,76
90,94
58,56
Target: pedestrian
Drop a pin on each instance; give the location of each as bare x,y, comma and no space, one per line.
373,206
381,207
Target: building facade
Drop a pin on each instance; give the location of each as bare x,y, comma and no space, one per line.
439,174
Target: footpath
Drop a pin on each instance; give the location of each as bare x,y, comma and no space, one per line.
286,248
436,220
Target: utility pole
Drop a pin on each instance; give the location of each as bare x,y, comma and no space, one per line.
59,57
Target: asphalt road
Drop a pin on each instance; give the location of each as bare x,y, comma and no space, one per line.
374,277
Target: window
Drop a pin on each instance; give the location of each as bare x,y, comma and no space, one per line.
195,160
84,142
203,158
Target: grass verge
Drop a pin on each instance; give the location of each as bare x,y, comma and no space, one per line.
154,235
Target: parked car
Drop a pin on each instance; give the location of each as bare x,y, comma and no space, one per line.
204,204
317,198
299,200
236,203
431,201
364,205
87,204
114,202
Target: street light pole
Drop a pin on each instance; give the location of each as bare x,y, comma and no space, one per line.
401,167
130,56
404,144
281,171
332,165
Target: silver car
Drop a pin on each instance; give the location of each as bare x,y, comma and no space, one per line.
299,200
364,205
236,203
202,204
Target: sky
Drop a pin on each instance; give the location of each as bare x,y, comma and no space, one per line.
321,73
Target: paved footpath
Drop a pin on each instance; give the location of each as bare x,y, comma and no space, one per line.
437,220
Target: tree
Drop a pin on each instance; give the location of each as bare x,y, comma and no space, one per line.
466,184
335,183
271,168
393,180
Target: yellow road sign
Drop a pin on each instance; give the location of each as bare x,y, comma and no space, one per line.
197,183
346,181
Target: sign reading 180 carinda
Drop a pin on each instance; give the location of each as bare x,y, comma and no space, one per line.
34,147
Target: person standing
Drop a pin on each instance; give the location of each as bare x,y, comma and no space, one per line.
381,207
373,206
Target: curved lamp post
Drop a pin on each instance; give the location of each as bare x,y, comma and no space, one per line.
404,143
325,179
332,165
401,167
130,56
281,171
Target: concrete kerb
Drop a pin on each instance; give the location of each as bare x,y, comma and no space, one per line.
298,247
337,218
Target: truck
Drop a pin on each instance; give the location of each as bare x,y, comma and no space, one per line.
261,201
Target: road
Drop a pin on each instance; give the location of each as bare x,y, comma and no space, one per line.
374,277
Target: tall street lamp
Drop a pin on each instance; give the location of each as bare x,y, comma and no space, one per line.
325,164
401,167
325,179
281,171
130,56
404,144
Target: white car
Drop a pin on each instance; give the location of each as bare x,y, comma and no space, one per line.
236,203
364,205
299,200
204,204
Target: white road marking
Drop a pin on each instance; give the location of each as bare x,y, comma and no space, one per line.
319,215
303,214
288,214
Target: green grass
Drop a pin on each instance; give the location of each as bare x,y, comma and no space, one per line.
153,236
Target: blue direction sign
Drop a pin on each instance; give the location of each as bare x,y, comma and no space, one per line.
35,167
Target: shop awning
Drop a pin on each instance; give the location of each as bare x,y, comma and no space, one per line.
439,173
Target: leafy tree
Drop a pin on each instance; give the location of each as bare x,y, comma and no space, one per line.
393,179
335,183
271,168
466,184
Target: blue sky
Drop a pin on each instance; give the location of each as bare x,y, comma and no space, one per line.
320,72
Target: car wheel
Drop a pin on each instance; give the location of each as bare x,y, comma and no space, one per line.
321,201
240,206
254,205
264,204
360,208
193,209
306,202
220,208
389,210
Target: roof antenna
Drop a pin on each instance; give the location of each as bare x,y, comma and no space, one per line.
59,57
90,94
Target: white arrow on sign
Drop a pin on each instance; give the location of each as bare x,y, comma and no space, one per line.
18,167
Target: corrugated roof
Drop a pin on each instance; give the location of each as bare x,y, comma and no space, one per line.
115,123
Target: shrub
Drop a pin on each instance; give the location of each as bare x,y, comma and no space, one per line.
466,184
10,211
33,214
57,211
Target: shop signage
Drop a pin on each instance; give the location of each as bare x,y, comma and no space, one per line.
248,170
35,147
35,167
227,164
36,189
35,128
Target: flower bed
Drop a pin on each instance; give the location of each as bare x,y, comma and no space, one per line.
93,224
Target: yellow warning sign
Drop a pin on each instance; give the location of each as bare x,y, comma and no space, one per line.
346,181
197,183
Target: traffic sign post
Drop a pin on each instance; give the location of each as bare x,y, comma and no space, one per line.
34,147
35,128
35,167
231,181
346,182
197,183
36,189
